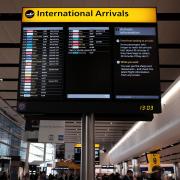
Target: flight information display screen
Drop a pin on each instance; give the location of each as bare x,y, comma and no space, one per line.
42,63
77,155
89,67
135,63
89,61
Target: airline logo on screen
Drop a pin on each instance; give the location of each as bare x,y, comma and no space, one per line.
29,13
134,15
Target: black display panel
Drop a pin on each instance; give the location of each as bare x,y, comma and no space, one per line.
89,61
42,63
135,63
86,67
77,155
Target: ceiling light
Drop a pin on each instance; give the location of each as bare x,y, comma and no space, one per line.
169,93
128,134
172,145
111,123
1,80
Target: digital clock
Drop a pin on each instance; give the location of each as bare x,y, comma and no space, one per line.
146,108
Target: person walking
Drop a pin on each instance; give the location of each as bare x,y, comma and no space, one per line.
156,173
128,176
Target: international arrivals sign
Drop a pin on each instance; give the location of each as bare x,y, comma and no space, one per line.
61,46
116,15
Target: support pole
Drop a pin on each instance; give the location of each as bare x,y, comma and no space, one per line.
88,152
177,170
125,168
135,167
26,169
44,155
83,143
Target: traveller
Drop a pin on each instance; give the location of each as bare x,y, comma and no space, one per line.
105,177
4,176
156,173
42,176
71,177
128,176
117,176
26,176
98,177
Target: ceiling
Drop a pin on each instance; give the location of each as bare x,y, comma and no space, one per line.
168,154
14,6
107,132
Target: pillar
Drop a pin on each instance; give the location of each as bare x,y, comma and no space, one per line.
87,154
135,167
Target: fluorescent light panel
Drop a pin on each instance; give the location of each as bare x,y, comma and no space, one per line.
173,89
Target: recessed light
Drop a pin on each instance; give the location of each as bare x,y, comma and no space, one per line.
172,145
1,80
110,122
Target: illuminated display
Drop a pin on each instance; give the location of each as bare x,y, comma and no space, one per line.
77,153
88,49
42,62
89,67
135,61
132,15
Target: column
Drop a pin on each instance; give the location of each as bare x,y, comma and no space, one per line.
177,170
44,154
26,168
87,162
83,143
125,168
135,167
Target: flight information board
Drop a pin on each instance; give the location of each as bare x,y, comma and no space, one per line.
42,62
135,63
89,61
89,67
77,154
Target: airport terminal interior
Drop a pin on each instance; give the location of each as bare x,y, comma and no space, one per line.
94,134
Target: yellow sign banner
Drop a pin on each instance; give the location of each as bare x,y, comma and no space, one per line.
79,145
153,160
111,15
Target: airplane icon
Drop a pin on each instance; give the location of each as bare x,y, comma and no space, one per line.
29,14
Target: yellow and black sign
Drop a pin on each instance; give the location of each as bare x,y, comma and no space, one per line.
153,160
79,145
112,15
